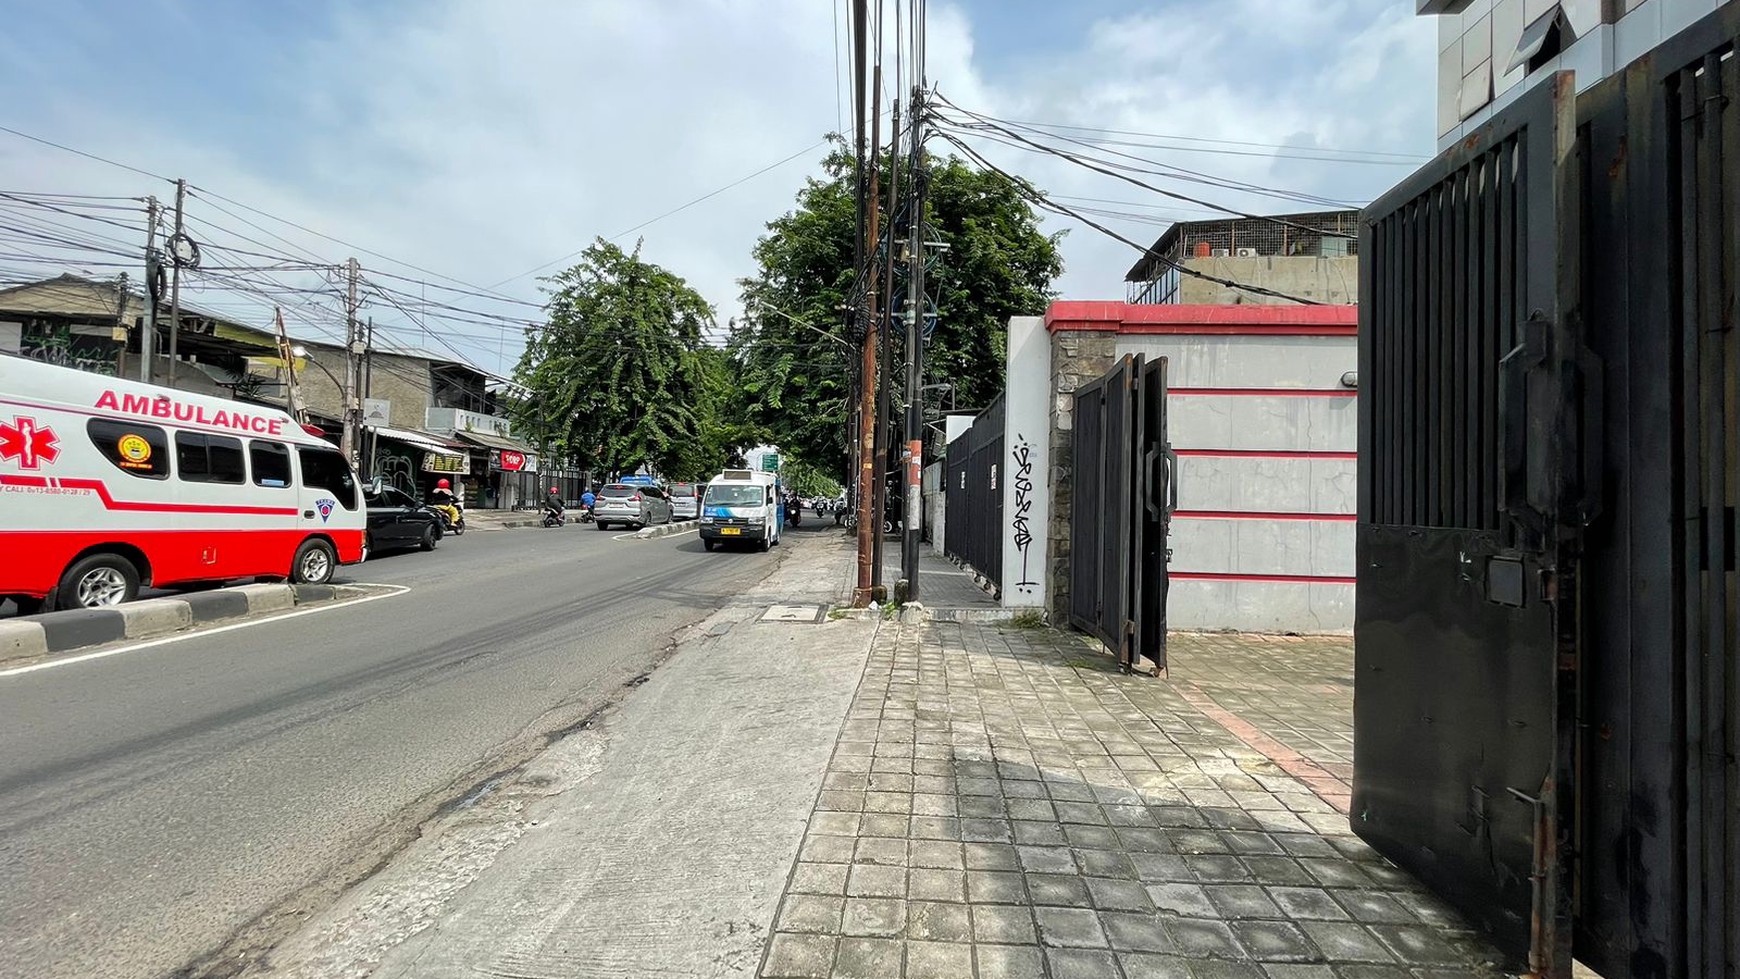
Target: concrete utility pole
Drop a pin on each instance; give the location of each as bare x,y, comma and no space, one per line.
884,417
121,324
913,524
372,439
175,280
348,439
148,338
287,353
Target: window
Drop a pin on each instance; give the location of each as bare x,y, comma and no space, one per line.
325,469
135,449
209,458
271,463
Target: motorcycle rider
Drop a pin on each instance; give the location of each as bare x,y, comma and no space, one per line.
587,499
553,506
442,499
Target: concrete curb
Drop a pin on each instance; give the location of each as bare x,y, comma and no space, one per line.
652,533
58,632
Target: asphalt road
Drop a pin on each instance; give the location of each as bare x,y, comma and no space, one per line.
154,804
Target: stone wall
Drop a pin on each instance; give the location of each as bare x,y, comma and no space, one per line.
1077,357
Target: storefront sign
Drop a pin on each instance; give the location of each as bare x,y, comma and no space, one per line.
512,462
457,464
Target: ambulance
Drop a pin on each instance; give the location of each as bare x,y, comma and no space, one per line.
742,506
109,485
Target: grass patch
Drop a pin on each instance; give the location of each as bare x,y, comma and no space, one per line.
1028,619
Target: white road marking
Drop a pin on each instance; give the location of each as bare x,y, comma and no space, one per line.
631,535
178,637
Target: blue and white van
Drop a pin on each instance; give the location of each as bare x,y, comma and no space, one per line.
742,506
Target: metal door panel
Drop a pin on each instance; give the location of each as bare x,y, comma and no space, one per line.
1156,498
1465,642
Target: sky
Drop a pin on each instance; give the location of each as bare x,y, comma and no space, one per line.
477,145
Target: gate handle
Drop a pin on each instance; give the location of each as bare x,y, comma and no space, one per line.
1514,421
1149,458
1171,480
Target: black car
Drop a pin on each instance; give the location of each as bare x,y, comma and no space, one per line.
398,521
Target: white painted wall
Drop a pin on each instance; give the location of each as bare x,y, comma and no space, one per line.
1310,412
1026,463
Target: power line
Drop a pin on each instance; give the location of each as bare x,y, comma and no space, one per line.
88,156
704,197
1373,156
1039,199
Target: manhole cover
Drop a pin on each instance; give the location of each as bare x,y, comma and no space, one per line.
793,613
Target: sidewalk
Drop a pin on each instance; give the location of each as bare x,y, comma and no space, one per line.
1002,803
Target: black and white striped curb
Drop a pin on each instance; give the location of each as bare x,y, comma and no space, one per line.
55,632
666,530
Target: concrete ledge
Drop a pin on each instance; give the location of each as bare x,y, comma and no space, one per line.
56,632
159,615
22,639
266,598
666,530
210,606
81,627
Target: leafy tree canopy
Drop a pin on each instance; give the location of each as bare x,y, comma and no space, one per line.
620,376
797,383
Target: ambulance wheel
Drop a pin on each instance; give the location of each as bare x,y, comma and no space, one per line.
98,581
314,563
765,545
709,545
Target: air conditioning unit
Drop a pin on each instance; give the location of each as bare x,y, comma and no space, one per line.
1247,253
1221,253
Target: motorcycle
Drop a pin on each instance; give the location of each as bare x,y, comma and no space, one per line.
452,517
554,517
585,514
794,512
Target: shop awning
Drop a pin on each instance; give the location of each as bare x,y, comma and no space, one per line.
489,440
421,440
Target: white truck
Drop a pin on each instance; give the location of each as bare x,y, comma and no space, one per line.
742,506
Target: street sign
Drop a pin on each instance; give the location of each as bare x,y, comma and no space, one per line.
377,412
770,462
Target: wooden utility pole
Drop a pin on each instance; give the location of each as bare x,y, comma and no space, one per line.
348,440
153,268
865,476
175,278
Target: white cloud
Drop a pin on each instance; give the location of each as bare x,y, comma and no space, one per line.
480,140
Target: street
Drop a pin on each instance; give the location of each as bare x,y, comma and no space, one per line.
154,803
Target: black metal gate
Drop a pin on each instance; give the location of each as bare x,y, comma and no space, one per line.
1120,511
1547,701
973,508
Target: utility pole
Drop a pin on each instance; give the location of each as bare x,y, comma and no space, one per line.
869,522
293,396
121,324
368,386
175,279
884,418
854,314
148,338
913,524
352,367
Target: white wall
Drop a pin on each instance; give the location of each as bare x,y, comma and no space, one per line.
1266,481
1026,463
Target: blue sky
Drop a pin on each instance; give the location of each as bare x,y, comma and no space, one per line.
479,140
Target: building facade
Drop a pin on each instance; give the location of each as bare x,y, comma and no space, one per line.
1197,263
1491,51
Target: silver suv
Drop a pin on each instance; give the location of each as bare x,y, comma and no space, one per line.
630,504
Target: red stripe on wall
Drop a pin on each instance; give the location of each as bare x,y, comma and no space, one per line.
1226,330
1261,515
1262,454
1268,392
1289,579
1071,315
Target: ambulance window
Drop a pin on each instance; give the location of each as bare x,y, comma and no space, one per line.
135,449
271,463
324,469
209,458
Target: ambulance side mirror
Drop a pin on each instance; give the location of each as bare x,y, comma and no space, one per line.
374,487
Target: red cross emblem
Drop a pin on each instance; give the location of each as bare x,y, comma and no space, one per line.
30,445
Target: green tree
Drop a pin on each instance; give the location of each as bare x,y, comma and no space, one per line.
618,375
798,382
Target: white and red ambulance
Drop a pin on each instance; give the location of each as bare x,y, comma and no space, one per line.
107,485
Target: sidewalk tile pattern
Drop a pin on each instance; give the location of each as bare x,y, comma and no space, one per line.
1002,803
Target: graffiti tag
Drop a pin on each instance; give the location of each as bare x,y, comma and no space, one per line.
1022,523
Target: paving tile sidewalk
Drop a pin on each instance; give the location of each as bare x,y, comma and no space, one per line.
1002,803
